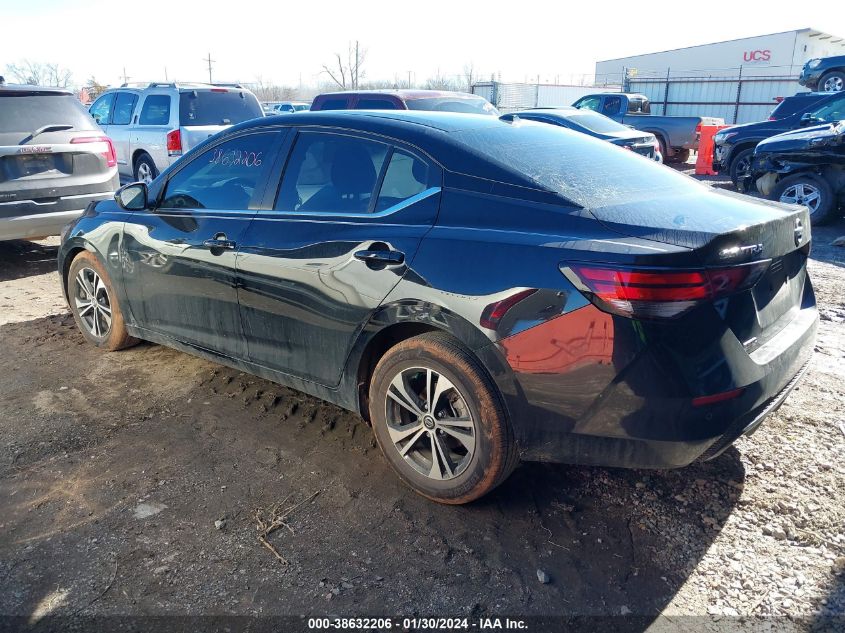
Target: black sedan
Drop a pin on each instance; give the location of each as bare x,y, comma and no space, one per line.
480,291
595,125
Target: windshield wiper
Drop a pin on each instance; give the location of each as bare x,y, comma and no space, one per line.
50,127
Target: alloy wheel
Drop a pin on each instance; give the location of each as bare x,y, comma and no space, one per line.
833,84
145,172
92,302
802,193
430,423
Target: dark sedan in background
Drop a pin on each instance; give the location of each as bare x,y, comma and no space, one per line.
593,124
481,291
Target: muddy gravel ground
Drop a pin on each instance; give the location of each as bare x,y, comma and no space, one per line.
133,483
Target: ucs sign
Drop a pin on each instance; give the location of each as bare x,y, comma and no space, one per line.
757,56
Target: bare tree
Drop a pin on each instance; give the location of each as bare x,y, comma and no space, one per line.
38,74
348,75
441,82
94,88
470,76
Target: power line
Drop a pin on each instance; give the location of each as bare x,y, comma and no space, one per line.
210,62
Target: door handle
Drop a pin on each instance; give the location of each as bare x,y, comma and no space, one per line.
220,242
387,258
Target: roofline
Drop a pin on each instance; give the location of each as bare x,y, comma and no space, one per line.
750,37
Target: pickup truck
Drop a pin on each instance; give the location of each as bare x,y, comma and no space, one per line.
677,135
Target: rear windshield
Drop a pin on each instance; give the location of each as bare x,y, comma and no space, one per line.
29,113
469,105
585,170
207,107
791,105
596,122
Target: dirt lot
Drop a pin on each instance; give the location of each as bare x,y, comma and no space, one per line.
131,484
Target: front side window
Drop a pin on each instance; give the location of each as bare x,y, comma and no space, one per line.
223,177
101,110
589,103
333,104
156,110
331,173
406,176
124,106
833,111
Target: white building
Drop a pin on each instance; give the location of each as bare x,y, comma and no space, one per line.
777,54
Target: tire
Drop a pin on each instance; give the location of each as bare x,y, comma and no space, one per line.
740,164
88,278
832,82
662,150
486,452
145,169
680,156
800,187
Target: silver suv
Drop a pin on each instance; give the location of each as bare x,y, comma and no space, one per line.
152,126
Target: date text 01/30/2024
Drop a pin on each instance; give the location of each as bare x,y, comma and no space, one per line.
431,624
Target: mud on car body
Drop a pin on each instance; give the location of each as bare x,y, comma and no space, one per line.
481,291
806,167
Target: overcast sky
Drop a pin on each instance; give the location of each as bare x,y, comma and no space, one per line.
283,41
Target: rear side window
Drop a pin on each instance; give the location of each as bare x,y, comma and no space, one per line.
124,106
330,173
101,110
28,113
218,106
375,104
612,105
223,177
333,104
406,176
791,105
156,110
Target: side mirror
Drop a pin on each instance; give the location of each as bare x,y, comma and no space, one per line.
132,197
808,119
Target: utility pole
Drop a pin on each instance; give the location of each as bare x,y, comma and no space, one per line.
409,79
210,62
355,78
126,77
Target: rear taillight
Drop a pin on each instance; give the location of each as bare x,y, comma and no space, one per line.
656,293
109,154
174,142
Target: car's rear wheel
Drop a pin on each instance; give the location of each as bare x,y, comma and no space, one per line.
832,82
740,167
145,169
93,303
812,191
439,420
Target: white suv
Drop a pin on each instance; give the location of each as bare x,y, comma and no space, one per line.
152,126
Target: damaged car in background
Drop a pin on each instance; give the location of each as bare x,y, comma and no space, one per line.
804,167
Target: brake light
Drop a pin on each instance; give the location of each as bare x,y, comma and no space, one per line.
698,129
174,142
493,313
657,293
703,401
109,154
219,90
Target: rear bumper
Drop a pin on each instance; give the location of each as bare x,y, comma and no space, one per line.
25,219
613,404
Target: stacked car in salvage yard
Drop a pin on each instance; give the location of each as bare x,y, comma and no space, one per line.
275,338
